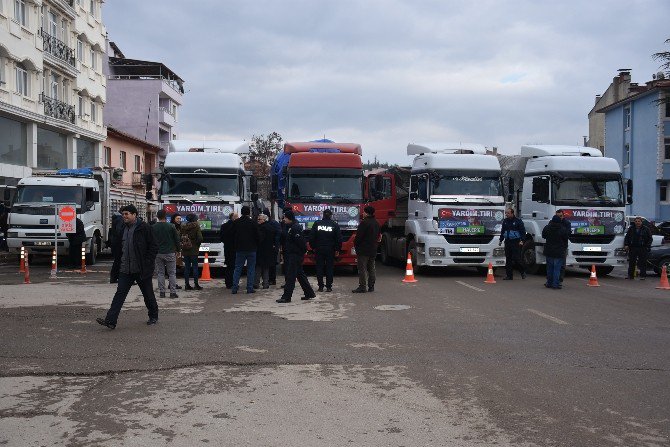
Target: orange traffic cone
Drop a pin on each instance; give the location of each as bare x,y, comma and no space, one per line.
22,264
409,272
26,272
593,280
54,267
205,269
664,280
490,279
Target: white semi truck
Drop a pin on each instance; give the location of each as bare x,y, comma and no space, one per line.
32,218
207,179
590,190
447,210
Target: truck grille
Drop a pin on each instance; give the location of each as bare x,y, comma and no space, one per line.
590,253
591,260
461,255
35,211
469,261
591,238
468,239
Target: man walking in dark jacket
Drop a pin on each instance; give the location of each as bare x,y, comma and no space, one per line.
326,242
294,252
228,239
247,238
556,237
137,254
568,226
365,242
638,243
513,234
76,241
277,228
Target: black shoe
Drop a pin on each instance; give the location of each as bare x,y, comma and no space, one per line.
508,278
642,278
251,291
188,287
329,289
523,276
282,300
547,285
104,322
305,298
234,291
161,295
359,290
197,287
152,321
320,289
257,287
177,287
113,281
174,295
371,289
273,283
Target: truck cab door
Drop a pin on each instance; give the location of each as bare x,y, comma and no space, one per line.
381,194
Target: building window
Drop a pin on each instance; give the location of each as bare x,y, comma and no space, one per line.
91,7
22,81
663,191
80,50
122,159
81,106
53,86
626,112
2,72
53,27
94,112
138,164
108,156
667,149
94,60
626,154
20,13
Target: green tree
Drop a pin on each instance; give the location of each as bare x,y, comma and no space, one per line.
263,152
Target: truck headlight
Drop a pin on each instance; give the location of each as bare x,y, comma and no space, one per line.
436,251
620,252
12,234
499,251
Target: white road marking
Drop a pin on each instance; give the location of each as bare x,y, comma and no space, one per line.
548,317
469,286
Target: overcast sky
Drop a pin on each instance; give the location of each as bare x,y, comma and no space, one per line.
384,73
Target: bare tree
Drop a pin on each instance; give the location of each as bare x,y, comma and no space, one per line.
664,58
263,152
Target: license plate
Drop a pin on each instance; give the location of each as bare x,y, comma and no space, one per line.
592,249
204,248
469,249
43,243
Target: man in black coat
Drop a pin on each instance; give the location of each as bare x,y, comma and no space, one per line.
76,240
266,250
247,238
137,250
294,253
326,241
228,239
638,243
568,226
113,239
556,237
365,242
513,233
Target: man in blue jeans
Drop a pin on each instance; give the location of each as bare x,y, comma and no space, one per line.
556,236
247,238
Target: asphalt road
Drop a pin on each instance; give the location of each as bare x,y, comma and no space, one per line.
446,361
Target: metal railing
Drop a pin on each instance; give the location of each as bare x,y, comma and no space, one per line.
137,179
57,48
57,109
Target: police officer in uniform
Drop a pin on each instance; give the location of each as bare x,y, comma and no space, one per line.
294,253
326,241
512,234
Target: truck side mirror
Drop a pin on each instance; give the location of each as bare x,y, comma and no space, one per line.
92,195
541,190
629,192
510,189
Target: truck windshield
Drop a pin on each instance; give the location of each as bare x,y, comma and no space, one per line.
193,184
466,183
588,190
49,194
337,185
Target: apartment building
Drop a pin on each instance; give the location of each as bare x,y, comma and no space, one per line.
52,86
144,98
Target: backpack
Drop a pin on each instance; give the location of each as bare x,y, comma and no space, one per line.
186,242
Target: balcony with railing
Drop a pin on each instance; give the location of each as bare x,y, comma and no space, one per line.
57,109
137,179
57,48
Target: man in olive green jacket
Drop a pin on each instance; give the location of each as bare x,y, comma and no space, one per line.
168,245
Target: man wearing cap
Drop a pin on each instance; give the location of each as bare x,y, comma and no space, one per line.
137,250
365,242
326,242
294,253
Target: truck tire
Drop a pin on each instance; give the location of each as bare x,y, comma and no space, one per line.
665,261
528,258
384,256
91,256
411,248
604,270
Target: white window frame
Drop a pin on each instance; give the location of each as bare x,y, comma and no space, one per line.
664,184
52,23
122,160
54,81
108,156
3,81
627,117
138,163
626,154
92,7
82,106
22,81
20,12
80,50
94,59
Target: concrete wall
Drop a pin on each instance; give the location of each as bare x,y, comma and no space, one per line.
132,107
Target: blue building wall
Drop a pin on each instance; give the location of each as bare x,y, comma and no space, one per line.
644,147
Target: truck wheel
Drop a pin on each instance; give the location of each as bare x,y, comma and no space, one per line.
98,243
662,262
528,258
384,253
411,248
91,256
604,270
